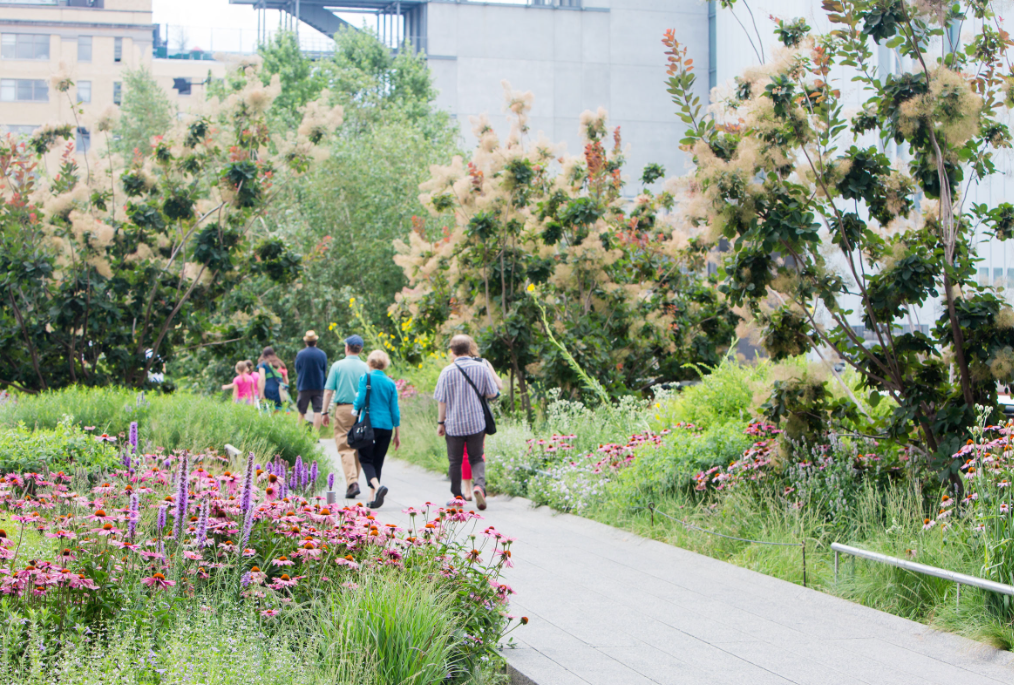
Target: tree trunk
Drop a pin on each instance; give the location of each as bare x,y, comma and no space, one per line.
523,387
958,343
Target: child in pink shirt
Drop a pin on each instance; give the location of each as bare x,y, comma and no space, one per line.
243,386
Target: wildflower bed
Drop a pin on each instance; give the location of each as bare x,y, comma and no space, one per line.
87,561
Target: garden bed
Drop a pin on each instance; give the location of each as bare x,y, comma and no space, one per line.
180,567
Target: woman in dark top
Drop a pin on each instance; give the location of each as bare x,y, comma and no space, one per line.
385,419
269,379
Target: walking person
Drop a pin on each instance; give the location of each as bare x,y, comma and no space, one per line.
461,419
466,468
269,378
379,395
341,388
311,370
243,386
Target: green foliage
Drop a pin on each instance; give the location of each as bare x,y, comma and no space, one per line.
65,448
778,222
174,422
101,291
146,112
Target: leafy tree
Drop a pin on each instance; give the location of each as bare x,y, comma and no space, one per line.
146,112
105,279
819,217
617,280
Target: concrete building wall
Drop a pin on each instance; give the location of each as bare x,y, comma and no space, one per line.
608,53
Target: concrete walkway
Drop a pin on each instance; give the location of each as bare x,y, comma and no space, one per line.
609,607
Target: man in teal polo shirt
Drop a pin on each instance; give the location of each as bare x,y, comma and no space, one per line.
341,386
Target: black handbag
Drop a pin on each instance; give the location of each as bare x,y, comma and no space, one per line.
361,433
487,413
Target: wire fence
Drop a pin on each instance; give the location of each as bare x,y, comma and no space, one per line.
802,545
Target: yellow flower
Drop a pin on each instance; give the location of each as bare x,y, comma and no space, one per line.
352,301
332,326
420,366
531,287
658,406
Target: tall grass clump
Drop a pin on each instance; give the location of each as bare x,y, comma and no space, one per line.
175,421
402,632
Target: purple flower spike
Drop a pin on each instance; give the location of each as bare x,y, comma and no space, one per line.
167,464
160,522
313,472
133,436
202,526
330,481
248,483
244,536
132,525
182,495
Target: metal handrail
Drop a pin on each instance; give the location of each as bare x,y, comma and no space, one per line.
915,567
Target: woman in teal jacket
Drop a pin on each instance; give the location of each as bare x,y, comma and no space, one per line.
385,419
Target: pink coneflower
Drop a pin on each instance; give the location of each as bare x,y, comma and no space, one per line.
61,535
107,529
270,613
505,558
158,581
105,437
192,556
1004,508
100,515
283,581
281,561
928,523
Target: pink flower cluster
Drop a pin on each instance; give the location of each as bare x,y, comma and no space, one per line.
120,531
405,389
750,467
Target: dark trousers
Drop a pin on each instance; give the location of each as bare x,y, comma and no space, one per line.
372,458
456,454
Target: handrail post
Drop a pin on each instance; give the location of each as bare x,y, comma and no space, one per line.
803,543
836,567
651,508
959,596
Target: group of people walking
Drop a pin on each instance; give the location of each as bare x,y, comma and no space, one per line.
339,394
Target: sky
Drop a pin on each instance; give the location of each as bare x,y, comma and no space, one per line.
215,25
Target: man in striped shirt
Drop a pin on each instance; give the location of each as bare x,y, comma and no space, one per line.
461,419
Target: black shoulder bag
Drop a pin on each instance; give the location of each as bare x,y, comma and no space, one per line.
487,414
361,433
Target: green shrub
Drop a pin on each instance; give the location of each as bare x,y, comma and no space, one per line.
177,421
63,448
725,394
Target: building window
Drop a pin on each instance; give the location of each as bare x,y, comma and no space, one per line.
24,46
712,45
23,90
182,85
117,92
983,277
20,129
118,50
84,91
84,48
83,140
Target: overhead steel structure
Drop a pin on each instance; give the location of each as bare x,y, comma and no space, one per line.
397,22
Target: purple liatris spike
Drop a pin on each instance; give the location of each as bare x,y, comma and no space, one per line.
298,466
245,579
201,537
248,483
313,472
132,524
160,521
330,481
182,495
244,536
167,464
133,437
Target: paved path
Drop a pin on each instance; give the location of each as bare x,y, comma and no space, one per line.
612,608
